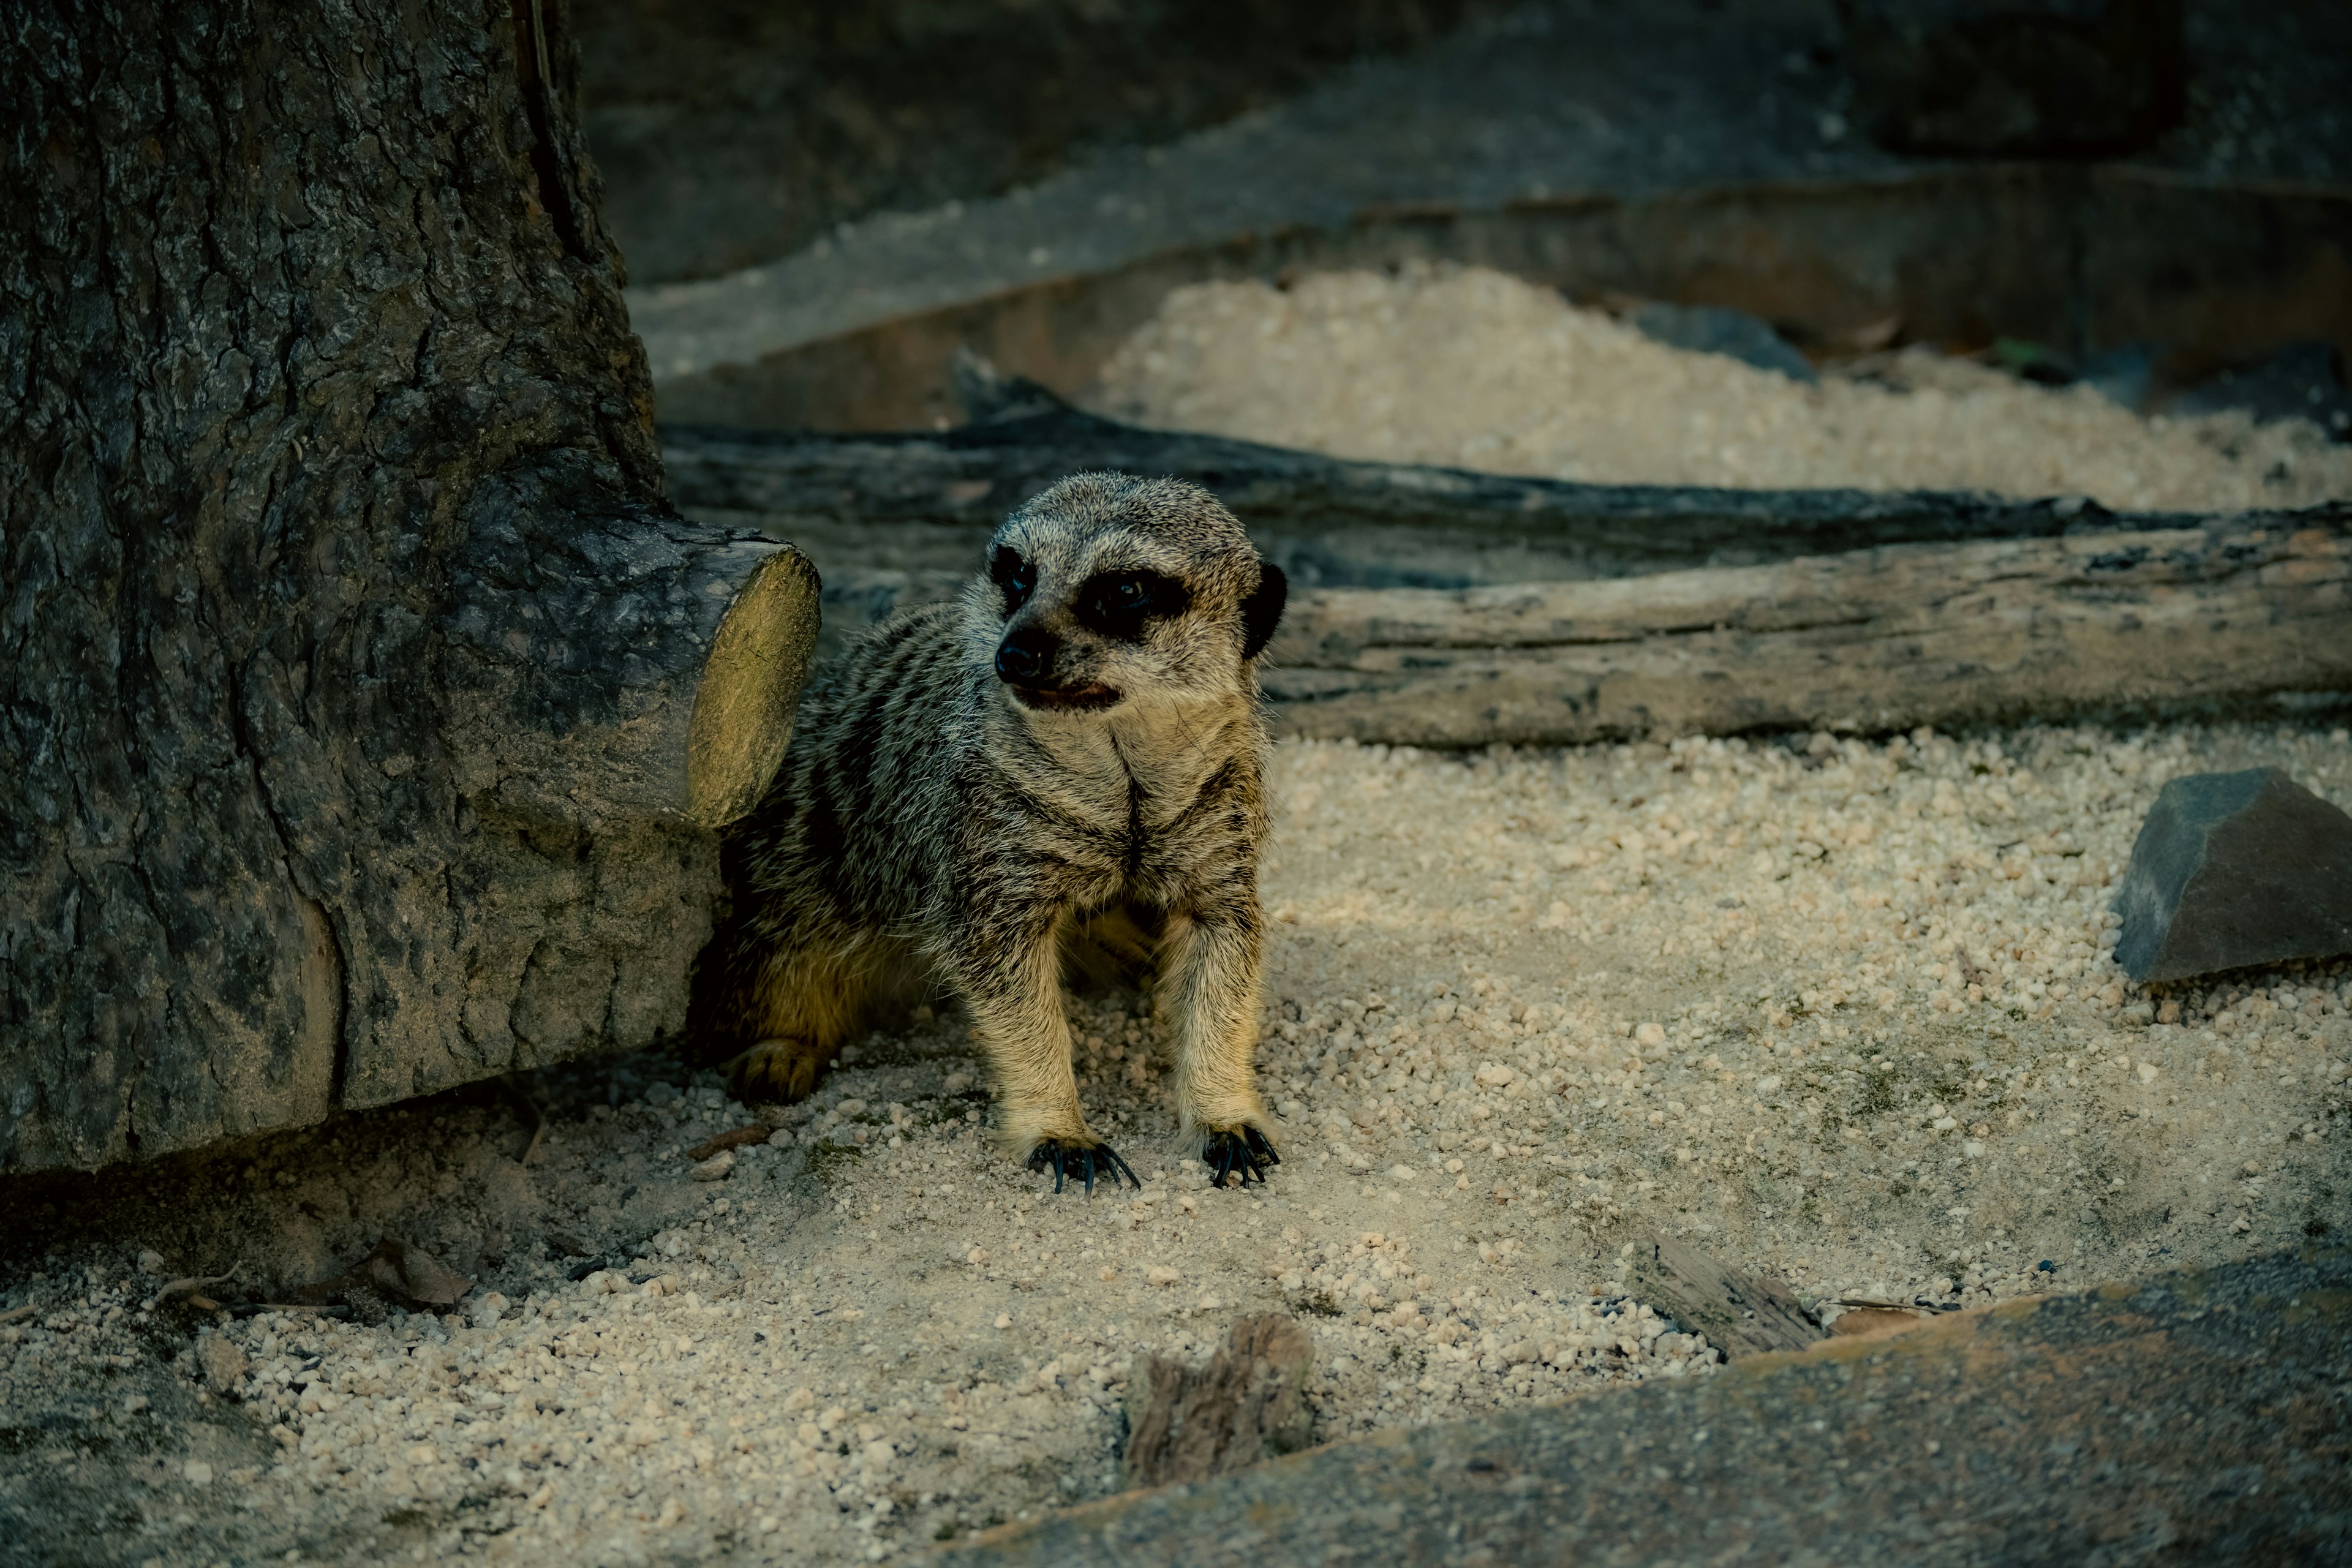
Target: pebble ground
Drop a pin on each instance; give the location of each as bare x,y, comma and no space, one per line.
1840,1009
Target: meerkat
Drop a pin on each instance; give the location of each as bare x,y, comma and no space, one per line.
1078,734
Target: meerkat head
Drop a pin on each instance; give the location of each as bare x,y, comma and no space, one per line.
1107,589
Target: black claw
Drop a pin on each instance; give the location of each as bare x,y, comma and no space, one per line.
1245,1153
1087,1162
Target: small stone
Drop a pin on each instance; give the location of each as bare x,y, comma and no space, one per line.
1003,1321
2233,870
490,1310
198,1473
1649,1035
1160,1273
151,1262
716,1168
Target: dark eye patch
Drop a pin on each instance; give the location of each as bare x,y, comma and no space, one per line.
1015,576
1120,603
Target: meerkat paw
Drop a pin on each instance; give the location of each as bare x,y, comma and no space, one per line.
1077,1158
1242,1150
781,1070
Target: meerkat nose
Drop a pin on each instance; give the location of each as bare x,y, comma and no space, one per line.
1026,656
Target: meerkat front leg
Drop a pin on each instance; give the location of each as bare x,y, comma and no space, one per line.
1212,968
1011,978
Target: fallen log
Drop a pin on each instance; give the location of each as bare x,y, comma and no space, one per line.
926,498
1439,607
1868,641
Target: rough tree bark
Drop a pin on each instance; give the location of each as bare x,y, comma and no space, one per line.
365,710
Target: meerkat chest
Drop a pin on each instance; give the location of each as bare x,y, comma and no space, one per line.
1141,795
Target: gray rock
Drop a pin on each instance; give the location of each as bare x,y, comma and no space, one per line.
2234,869
2015,76
1719,330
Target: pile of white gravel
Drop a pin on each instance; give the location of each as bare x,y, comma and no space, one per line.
1843,1010
1477,369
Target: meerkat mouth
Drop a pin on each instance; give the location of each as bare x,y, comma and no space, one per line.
1089,698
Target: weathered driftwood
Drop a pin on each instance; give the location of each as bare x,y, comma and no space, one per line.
365,704
1438,607
1245,1403
2198,1418
1873,640
1741,1314
920,497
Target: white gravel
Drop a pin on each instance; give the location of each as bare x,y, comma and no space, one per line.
1478,369
1844,1010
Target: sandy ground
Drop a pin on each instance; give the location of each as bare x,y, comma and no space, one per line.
1477,369
1842,1010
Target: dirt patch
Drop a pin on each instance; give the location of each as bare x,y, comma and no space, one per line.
1836,1010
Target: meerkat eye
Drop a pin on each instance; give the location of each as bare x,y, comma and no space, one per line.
1016,577
1117,604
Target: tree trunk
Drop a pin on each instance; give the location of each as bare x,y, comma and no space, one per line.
367,710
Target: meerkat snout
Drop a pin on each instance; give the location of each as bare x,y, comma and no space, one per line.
1025,657
1078,734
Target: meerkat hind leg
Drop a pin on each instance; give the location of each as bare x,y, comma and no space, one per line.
806,1005
783,1070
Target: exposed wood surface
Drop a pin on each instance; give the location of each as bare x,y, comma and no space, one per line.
1440,607
615,665
1325,520
1741,1314
1245,1405
2198,1418
1871,640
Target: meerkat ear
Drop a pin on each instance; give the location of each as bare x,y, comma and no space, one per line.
1262,611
